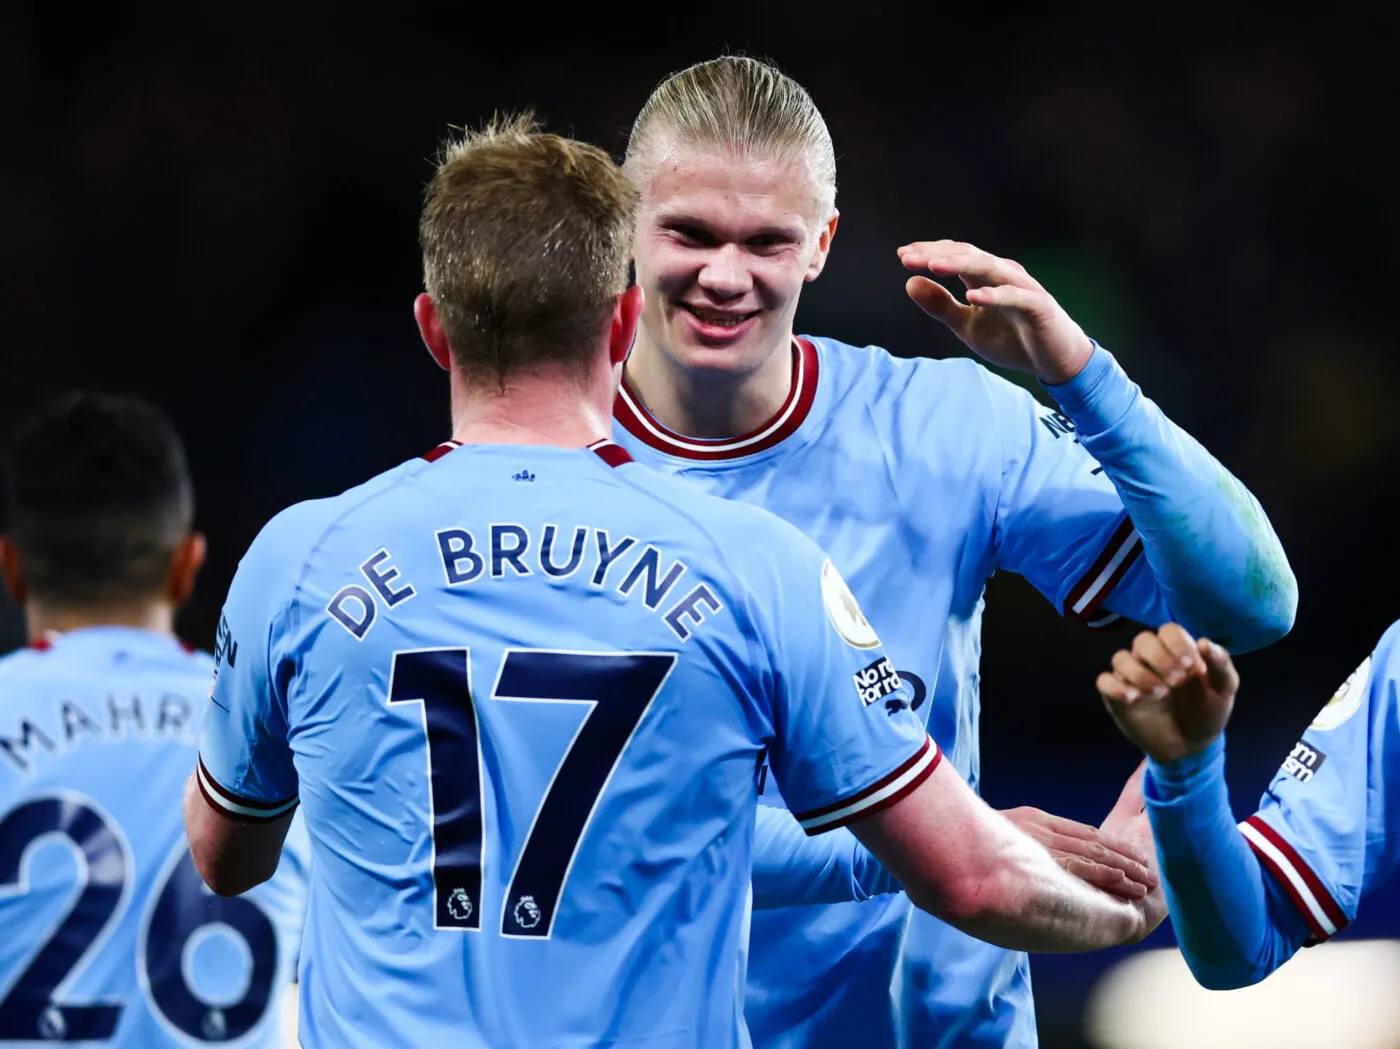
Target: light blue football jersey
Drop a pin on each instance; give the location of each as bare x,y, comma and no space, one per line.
110,936
920,478
523,696
1328,827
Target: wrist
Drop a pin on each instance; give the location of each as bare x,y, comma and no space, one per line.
1178,772
1067,370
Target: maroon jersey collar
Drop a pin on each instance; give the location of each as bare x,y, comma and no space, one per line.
631,413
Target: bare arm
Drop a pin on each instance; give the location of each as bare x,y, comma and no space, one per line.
231,855
967,864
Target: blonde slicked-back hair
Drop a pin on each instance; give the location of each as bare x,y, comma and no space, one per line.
743,106
526,238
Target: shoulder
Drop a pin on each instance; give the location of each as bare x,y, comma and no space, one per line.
18,663
1383,664
922,391
751,539
289,538
1373,681
705,511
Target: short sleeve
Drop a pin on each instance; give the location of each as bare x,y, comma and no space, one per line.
846,742
245,761
1325,828
1059,521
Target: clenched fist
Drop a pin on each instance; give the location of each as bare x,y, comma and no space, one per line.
1172,694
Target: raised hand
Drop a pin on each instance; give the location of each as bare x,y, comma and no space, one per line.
1101,859
1009,319
1172,694
1127,823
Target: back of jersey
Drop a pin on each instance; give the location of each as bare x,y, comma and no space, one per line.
522,698
110,937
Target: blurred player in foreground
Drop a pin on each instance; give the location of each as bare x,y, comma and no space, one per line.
522,686
1245,898
920,478
110,937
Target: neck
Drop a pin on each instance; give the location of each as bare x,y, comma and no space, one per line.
546,407
709,404
156,616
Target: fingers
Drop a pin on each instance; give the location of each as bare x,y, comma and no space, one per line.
1008,296
1115,690
967,261
1106,851
1182,645
1108,879
1220,668
1123,855
1170,653
1065,838
1137,676
938,302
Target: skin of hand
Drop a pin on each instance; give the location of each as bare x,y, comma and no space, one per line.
1171,694
1009,319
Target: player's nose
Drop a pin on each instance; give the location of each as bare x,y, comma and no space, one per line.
725,273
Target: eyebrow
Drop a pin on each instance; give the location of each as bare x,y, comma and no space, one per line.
790,231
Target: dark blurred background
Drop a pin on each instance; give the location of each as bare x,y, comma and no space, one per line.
219,212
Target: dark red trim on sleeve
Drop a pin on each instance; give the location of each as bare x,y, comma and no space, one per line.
1089,581
862,811
226,797
1324,898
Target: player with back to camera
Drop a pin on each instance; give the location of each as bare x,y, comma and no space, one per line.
920,478
521,686
110,937
1245,897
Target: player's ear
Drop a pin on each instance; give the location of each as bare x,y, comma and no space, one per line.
9,568
184,568
425,313
627,313
823,248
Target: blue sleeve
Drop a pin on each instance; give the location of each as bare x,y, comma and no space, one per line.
1244,899
245,761
845,741
1325,828
792,869
1212,560
1233,923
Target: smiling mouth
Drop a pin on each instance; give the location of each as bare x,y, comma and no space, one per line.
719,318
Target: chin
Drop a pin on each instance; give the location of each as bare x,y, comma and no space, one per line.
738,357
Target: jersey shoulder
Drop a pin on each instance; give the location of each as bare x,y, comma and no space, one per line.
284,544
1387,651
742,531
1376,681
871,386
16,665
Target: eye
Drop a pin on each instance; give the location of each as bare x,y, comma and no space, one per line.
769,242
691,235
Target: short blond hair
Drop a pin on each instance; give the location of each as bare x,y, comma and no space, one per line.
743,106
526,238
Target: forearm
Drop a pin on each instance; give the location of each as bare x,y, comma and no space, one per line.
1220,567
231,856
1232,922
969,865
1026,902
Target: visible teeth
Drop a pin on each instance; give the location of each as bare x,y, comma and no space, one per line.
723,320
